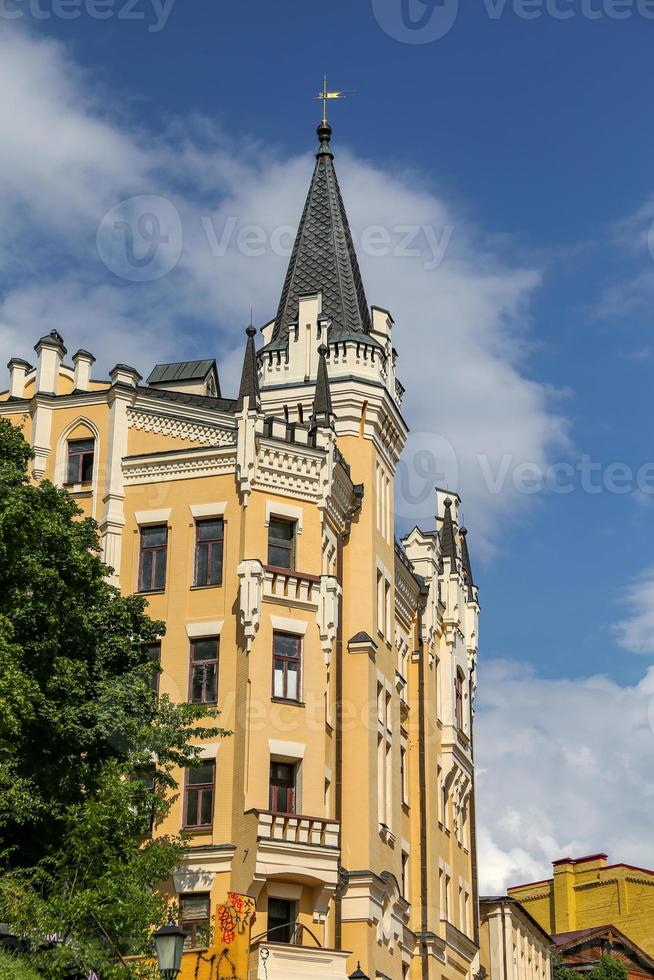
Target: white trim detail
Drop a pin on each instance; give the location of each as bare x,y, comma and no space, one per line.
209,628
297,626
284,510
209,750
290,750
153,516
208,510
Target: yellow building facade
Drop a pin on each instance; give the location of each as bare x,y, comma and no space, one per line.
588,892
261,529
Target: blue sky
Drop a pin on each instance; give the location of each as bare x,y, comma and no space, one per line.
526,146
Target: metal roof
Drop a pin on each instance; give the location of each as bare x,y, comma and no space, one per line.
324,259
181,371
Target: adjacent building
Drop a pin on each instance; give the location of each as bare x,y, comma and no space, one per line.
591,907
513,945
260,525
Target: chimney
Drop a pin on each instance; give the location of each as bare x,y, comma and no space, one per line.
83,361
123,374
18,371
50,352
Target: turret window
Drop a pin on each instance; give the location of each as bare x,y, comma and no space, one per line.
282,787
198,803
153,557
281,542
80,461
204,671
287,661
209,537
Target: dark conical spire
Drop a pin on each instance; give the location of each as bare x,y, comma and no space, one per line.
448,544
323,256
249,376
467,567
322,416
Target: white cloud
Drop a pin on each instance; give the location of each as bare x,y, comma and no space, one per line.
565,767
461,308
636,631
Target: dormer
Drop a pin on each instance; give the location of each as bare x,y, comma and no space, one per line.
190,377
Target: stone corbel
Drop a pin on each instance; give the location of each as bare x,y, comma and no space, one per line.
250,573
328,613
246,452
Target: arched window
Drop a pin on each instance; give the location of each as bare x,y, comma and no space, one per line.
79,467
77,454
458,699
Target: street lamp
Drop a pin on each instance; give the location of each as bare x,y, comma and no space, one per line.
169,944
358,974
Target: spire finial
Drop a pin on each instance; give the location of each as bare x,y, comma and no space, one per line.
249,378
324,129
322,415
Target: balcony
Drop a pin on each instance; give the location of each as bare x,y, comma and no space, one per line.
290,587
280,961
297,848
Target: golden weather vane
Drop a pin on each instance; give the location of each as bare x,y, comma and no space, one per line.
324,97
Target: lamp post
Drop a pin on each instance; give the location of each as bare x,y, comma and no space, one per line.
358,974
169,944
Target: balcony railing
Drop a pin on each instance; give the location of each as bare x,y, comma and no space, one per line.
292,828
284,585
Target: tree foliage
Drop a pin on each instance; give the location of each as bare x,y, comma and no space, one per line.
608,968
79,725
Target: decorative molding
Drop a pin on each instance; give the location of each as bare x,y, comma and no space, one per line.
161,516
328,612
208,510
250,573
185,464
180,427
209,628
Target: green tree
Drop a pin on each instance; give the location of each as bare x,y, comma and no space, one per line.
79,728
608,968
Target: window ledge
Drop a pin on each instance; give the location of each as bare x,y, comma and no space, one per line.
197,830
290,701
199,588
150,592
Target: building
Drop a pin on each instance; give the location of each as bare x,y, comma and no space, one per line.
582,950
261,528
513,945
588,893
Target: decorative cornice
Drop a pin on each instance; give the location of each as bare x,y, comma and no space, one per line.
181,465
180,427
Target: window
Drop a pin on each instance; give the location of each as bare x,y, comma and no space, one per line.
80,461
405,875
153,651
209,552
458,699
198,805
152,566
404,777
203,686
281,543
286,666
145,776
281,920
282,787
194,919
